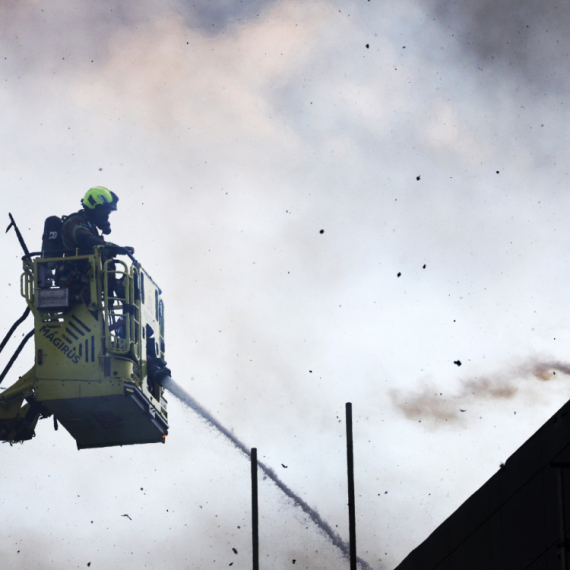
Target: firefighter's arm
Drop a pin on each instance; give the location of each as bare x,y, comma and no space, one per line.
115,249
85,239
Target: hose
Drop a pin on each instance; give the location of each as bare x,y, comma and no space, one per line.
16,354
14,327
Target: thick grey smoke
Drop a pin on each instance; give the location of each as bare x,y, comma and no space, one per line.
439,409
215,17
528,39
232,140
323,526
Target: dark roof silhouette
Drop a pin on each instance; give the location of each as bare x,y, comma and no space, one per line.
513,522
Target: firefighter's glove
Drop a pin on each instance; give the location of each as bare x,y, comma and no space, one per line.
113,250
158,370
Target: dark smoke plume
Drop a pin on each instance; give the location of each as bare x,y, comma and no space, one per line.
438,409
529,39
214,17
323,526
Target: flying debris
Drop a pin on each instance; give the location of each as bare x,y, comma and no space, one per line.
99,350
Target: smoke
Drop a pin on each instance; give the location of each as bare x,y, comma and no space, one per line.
323,526
529,40
234,138
214,18
437,409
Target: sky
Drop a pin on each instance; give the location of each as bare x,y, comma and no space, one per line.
355,201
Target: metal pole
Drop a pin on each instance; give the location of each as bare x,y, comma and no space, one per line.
351,506
254,510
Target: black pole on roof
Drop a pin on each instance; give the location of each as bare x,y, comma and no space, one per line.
254,510
350,469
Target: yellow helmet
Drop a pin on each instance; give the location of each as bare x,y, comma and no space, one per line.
100,196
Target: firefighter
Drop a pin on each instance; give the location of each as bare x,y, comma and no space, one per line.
81,230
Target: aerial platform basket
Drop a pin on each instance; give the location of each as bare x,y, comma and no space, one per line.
99,352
